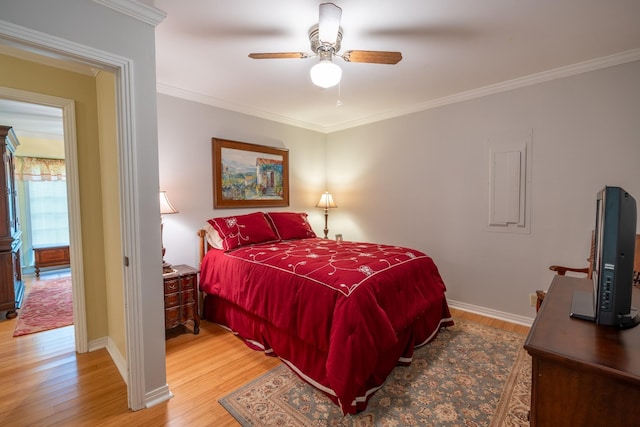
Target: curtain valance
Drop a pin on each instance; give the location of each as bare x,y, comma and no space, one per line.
38,169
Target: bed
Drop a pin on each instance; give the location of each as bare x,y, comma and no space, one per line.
341,315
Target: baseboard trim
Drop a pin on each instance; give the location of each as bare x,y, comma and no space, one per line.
118,359
488,312
98,344
158,395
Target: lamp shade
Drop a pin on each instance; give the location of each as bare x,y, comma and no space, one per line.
326,201
326,74
165,205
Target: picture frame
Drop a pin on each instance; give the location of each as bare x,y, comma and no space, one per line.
249,175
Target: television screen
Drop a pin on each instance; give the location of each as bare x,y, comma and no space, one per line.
612,262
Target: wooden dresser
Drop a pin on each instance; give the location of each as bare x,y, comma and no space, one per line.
11,285
181,297
583,374
51,256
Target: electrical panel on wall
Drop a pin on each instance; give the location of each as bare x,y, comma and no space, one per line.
509,181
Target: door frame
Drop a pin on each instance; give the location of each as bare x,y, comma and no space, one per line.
48,45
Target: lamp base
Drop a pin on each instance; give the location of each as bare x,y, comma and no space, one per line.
167,269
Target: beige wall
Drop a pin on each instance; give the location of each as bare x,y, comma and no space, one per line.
38,147
24,75
105,83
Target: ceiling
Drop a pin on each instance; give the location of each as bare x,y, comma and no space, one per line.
32,120
451,50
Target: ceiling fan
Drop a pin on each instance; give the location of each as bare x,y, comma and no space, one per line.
325,38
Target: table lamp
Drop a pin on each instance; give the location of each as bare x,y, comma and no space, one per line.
166,208
326,202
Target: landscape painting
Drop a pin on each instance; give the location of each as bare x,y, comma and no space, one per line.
249,175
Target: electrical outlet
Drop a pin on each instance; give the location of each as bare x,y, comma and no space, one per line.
533,299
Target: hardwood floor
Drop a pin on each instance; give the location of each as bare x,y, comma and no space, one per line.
47,384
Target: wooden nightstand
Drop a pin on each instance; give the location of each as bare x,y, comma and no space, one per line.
181,297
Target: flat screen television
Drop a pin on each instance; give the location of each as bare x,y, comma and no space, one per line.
612,265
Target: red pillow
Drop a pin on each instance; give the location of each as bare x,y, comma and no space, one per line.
290,225
241,230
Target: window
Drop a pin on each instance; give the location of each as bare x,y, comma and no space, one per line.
42,196
47,212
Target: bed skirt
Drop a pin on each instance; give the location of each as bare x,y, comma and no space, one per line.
310,363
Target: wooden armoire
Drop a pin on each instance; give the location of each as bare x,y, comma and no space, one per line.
11,285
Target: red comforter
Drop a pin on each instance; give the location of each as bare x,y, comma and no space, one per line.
352,311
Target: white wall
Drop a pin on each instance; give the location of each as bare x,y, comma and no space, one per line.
185,129
420,181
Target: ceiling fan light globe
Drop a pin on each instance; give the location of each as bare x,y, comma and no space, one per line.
325,74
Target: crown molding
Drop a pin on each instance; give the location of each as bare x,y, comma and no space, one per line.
521,82
533,79
243,109
140,11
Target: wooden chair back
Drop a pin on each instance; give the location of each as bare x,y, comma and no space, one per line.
562,270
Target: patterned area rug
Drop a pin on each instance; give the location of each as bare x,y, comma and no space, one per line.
49,305
471,375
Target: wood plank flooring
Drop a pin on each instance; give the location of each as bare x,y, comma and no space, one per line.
45,383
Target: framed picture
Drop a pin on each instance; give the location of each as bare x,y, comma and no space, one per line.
249,175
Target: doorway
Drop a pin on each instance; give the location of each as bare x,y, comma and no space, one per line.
40,170
64,110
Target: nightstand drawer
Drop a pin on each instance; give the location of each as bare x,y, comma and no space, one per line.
171,285
172,318
176,316
172,300
188,311
178,298
189,282
187,297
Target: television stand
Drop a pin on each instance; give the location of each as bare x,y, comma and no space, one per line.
630,320
583,374
582,308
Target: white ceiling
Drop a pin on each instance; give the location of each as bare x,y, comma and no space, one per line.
32,120
451,50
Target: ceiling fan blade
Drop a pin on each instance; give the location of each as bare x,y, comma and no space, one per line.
372,56
279,55
329,22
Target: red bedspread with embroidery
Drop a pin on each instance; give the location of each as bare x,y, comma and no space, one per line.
349,302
